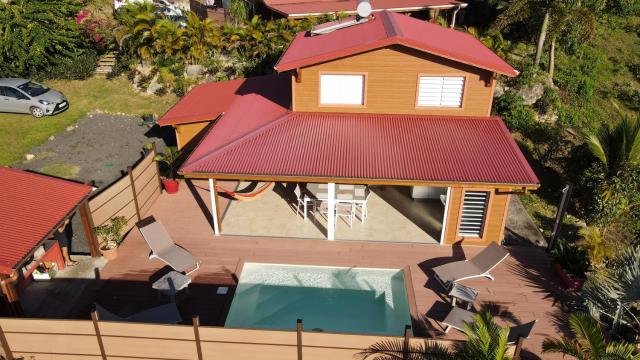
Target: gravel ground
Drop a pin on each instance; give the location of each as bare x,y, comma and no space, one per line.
98,149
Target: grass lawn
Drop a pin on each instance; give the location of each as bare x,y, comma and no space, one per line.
19,133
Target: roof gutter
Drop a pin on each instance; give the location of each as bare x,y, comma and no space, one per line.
345,180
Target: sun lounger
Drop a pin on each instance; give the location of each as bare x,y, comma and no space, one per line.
163,314
478,266
163,247
457,317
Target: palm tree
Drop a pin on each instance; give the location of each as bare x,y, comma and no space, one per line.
617,146
589,342
485,341
612,292
134,35
199,36
556,16
167,38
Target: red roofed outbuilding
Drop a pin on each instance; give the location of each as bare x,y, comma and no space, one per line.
32,207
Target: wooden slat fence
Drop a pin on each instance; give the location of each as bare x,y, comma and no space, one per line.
80,339
132,196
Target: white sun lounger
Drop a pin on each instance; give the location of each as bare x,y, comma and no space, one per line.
479,266
163,247
457,317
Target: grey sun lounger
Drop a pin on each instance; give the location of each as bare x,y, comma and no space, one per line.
163,314
479,266
163,247
458,316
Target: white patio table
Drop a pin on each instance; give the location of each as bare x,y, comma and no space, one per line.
344,194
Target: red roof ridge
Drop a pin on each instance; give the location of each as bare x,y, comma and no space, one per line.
390,26
245,137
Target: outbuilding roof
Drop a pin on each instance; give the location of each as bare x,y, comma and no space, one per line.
207,101
302,8
364,146
385,29
31,206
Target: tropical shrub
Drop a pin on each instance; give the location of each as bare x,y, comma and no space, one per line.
549,101
38,36
515,113
612,293
588,342
78,68
485,341
571,257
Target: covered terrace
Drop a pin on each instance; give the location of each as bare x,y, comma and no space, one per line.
525,287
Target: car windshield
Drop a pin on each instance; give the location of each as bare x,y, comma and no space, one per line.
33,88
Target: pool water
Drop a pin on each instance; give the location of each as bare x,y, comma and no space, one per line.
329,299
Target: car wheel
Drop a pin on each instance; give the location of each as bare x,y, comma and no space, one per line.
36,112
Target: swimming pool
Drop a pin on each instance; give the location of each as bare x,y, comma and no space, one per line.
329,299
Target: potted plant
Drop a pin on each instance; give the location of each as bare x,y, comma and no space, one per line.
169,157
110,236
571,264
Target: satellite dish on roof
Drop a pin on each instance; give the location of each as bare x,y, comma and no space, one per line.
363,8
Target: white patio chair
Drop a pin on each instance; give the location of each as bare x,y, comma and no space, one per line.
303,198
361,194
342,210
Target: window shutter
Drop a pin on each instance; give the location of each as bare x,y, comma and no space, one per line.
473,214
342,89
440,91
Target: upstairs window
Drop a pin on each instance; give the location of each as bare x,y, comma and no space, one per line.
473,214
440,91
341,89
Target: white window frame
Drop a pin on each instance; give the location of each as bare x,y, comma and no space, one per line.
335,98
436,100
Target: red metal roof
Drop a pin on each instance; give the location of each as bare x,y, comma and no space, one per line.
386,29
366,146
206,102
301,8
32,206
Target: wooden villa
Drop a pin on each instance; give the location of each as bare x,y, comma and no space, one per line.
386,101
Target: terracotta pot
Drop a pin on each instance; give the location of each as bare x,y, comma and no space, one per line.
109,254
570,283
171,185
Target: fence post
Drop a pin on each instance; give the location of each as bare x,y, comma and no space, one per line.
94,319
407,337
5,345
88,225
299,337
135,193
154,151
196,333
516,352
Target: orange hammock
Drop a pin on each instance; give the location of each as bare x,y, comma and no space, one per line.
248,196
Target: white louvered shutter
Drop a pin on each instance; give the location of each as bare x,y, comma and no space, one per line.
473,214
336,89
440,91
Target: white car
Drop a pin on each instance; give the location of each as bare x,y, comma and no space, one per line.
29,97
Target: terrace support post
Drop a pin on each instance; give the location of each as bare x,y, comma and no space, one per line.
299,338
87,226
331,211
214,207
407,338
96,327
5,346
196,333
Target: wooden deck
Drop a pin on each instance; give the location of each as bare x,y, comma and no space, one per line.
525,287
